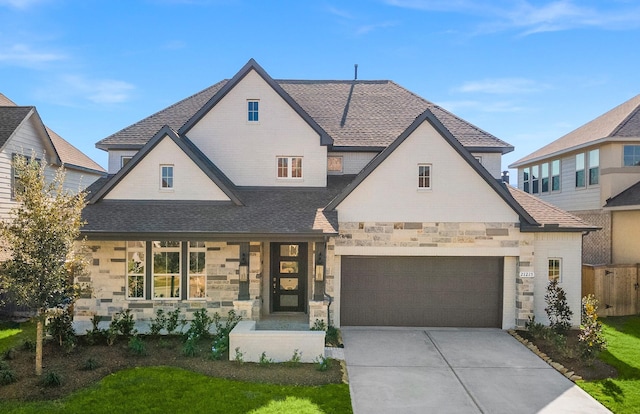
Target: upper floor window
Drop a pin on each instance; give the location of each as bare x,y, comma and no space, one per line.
555,175
631,155
544,177
580,170
289,167
535,179
525,180
166,176
594,167
424,176
252,111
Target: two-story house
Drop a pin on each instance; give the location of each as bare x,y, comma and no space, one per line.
22,132
593,172
269,196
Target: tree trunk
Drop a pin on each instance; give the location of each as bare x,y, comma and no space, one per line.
39,335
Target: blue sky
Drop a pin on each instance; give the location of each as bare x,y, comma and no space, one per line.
525,71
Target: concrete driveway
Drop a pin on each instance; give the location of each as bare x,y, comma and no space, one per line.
454,370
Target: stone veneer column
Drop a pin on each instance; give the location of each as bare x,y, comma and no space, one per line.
318,311
525,281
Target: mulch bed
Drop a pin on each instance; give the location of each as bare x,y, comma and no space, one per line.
163,351
571,360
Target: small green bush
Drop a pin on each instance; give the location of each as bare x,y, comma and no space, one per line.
319,325
137,346
295,359
159,323
51,379
219,347
322,363
29,345
90,364
7,376
95,335
123,323
173,318
264,360
189,349
557,308
536,329
591,337
60,327
239,358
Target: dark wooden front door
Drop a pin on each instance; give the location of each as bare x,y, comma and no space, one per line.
288,276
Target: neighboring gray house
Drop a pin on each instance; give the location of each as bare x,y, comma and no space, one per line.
594,173
22,132
269,196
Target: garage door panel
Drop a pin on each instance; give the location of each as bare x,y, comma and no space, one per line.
421,291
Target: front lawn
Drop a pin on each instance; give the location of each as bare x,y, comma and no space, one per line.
621,394
168,389
13,334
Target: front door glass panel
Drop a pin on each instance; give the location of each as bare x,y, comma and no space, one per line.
288,273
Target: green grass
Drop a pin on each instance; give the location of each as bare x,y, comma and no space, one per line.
167,389
13,334
621,395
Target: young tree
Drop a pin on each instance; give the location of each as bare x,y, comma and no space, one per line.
39,239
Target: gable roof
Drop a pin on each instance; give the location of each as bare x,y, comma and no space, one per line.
627,198
429,117
354,114
550,217
217,176
69,155
621,122
325,139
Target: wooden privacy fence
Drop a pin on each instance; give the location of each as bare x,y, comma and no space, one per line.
615,287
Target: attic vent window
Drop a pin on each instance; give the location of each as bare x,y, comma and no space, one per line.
252,110
166,177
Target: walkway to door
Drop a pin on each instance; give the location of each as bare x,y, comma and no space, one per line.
454,370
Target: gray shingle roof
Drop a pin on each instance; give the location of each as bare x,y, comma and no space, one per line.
68,154
266,211
550,217
353,113
627,198
10,118
623,121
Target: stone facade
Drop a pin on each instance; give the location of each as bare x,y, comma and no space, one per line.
410,234
106,283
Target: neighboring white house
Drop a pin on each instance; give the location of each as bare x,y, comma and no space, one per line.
269,196
594,173
22,132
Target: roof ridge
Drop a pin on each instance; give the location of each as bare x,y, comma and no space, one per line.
310,81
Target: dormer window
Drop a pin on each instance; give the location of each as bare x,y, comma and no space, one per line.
252,110
289,167
166,177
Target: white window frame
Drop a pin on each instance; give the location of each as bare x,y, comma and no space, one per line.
593,157
557,163
634,155
253,112
581,158
554,273
136,252
170,184
428,176
197,248
157,247
526,179
289,168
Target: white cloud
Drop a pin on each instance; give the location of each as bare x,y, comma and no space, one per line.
23,55
100,91
501,86
77,90
529,17
364,29
339,12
